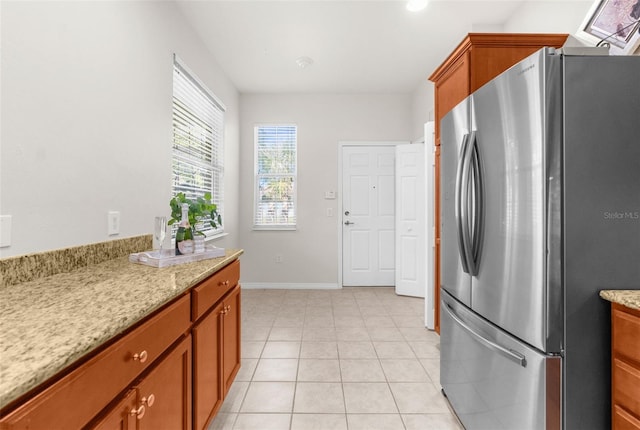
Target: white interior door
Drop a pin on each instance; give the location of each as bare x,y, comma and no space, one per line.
429,198
410,220
368,215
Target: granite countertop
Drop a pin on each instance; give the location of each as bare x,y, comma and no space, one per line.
49,323
628,298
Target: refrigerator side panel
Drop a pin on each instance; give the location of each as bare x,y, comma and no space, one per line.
601,221
492,380
454,126
508,114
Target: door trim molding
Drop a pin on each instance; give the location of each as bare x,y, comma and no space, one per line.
341,145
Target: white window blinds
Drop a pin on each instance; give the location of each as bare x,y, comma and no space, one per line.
198,137
276,176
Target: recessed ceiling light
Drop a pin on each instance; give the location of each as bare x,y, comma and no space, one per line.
416,5
303,62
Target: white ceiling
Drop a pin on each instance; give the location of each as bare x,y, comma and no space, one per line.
356,46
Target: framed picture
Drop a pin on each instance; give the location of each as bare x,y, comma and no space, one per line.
616,22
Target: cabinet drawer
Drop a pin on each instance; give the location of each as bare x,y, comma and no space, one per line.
626,329
207,293
79,396
623,420
626,386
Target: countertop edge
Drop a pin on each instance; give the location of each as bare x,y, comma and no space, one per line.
628,298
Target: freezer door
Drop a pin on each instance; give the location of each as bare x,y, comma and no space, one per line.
508,120
454,136
492,380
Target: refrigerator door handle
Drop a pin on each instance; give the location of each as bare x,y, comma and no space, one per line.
466,203
461,204
477,200
509,353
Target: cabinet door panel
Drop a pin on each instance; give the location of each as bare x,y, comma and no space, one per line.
626,326
166,392
207,337
623,420
120,417
626,386
231,337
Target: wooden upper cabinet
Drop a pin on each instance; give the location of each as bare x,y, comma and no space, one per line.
479,58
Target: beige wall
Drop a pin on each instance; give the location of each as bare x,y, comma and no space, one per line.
86,119
310,254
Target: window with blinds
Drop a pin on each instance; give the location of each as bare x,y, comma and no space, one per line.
198,133
276,177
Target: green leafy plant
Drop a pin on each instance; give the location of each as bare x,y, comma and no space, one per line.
200,209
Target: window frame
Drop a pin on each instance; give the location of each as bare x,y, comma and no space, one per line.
216,166
258,176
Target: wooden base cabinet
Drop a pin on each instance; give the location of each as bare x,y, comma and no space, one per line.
171,371
625,367
216,340
479,58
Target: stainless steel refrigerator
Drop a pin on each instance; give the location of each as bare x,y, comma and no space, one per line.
540,211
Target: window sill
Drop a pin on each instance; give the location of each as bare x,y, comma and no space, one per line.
274,228
216,236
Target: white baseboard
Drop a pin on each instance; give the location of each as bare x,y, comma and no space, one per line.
288,286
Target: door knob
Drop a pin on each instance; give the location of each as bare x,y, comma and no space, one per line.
348,223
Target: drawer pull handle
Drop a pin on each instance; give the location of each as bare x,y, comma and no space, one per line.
138,413
149,401
142,357
224,283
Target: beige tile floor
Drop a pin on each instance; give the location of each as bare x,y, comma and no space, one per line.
355,358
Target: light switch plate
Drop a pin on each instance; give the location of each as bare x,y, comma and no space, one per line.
5,231
113,223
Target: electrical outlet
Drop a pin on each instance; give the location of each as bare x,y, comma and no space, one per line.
279,258
113,223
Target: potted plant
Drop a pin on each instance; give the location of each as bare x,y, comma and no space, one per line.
199,210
